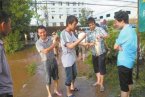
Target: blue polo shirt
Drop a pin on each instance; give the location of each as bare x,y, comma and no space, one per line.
127,39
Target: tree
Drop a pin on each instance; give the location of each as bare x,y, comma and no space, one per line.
21,16
85,13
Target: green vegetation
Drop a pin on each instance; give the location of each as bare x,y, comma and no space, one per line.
111,78
11,42
83,18
21,14
31,68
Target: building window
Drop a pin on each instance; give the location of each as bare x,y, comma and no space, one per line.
74,10
53,4
52,17
67,3
101,17
78,3
82,3
107,15
60,16
52,9
61,24
74,3
128,12
80,15
80,9
60,3
54,24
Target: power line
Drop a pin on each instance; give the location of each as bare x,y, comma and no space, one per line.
118,1
51,2
107,10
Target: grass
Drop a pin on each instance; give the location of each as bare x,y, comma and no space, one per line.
112,81
31,68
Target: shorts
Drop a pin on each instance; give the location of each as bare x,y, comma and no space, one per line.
6,95
71,73
99,64
51,70
125,78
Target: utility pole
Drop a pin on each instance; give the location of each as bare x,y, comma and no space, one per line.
46,15
35,4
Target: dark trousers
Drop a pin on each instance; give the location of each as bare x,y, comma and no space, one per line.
6,95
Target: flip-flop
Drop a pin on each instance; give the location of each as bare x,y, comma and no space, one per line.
58,93
75,89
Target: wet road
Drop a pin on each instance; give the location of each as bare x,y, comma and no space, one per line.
35,87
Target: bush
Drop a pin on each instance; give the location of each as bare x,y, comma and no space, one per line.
31,68
12,42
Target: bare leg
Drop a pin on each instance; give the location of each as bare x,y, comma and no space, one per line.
68,90
101,83
48,90
98,78
124,94
55,85
56,88
130,88
101,80
72,85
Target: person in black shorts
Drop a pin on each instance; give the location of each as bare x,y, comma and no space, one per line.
126,45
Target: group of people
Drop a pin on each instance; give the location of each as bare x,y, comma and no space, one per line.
126,45
94,40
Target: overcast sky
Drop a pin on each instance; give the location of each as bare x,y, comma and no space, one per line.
100,8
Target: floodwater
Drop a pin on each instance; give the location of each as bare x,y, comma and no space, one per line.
18,62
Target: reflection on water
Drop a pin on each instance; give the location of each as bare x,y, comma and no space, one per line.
18,62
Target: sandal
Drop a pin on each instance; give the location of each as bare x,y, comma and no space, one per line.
75,89
58,93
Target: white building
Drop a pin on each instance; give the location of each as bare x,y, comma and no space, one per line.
54,13
109,14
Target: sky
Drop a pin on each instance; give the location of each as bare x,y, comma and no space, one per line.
98,8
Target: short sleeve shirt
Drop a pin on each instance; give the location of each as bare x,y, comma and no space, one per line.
43,44
99,47
127,39
68,55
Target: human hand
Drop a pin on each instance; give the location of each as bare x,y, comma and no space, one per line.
120,48
91,44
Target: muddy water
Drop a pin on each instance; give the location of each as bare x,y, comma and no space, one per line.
18,62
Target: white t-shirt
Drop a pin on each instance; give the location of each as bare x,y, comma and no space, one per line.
68,55
80,36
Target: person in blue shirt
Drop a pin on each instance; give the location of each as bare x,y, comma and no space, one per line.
126,45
